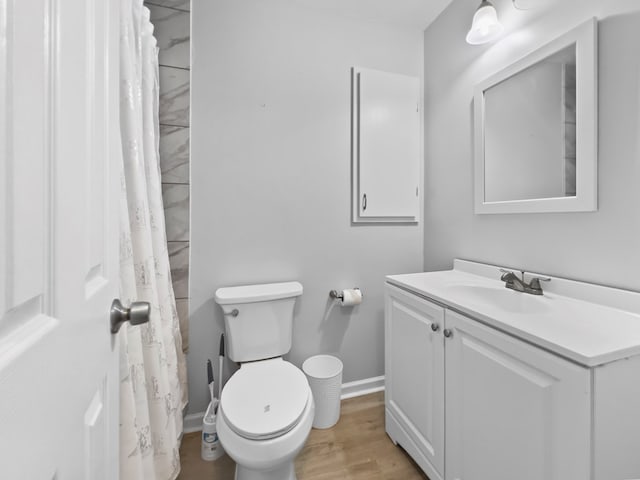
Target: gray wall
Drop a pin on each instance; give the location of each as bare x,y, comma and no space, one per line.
601,247
270,175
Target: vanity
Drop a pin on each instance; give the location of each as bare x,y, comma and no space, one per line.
488,383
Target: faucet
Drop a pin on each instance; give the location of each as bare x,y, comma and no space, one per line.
520,285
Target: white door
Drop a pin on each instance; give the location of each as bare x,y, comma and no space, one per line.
414,378
59,174
514,411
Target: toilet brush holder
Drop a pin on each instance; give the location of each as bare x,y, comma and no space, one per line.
211,448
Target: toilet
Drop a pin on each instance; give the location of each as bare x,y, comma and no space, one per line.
266,408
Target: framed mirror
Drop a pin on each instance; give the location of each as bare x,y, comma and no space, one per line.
536,130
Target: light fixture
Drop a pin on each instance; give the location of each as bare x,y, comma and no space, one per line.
530,4
485,26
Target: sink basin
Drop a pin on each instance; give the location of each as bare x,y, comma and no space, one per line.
502,298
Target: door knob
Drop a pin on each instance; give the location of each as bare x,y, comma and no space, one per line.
137,314
435,327
447,333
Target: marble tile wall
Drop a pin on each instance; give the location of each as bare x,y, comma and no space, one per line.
569,79
172,20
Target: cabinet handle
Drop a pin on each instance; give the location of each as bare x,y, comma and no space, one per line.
364,202
435,327
447,333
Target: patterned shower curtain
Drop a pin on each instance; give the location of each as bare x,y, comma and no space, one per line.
152,364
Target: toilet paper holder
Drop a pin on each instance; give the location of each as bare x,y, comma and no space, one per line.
339,295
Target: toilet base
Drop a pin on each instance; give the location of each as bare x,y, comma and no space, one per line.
284,472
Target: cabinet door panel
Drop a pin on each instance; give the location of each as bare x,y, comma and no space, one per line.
414,364
513,410
386,146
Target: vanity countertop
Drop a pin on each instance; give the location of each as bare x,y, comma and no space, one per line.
586,323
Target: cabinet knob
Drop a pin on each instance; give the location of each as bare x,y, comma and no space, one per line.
447,333
435,327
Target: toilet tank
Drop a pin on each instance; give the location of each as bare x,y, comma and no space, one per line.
258,319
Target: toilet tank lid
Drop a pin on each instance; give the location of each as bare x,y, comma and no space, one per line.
257,293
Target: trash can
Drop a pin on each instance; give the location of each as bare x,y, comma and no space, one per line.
324,373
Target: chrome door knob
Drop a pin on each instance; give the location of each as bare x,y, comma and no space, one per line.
447,333
435,327
137,314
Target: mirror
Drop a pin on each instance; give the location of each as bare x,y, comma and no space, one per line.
530,132
535,130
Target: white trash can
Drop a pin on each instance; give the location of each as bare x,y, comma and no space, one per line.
324,373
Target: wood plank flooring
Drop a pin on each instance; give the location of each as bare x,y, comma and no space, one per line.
357,448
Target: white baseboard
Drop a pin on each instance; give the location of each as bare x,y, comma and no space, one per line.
362,387
193,422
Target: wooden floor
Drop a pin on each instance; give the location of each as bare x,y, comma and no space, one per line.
357,448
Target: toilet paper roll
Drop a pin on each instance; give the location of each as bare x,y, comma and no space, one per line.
351,297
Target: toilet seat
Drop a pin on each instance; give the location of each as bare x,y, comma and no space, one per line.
265,399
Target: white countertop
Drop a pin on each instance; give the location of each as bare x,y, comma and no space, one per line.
588,324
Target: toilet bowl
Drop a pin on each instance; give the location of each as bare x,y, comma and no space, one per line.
265,416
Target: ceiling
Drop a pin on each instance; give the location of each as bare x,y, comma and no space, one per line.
414,13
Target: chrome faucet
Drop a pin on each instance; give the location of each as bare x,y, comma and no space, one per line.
520,285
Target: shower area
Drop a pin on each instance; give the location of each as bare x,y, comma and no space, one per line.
154,234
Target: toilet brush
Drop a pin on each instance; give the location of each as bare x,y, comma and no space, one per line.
211,448
211,383
220,365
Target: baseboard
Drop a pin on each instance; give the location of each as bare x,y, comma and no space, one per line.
193,422
362,387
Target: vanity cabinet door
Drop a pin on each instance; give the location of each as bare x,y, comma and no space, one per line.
514,411
414,378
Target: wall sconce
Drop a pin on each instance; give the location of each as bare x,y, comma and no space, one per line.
485,26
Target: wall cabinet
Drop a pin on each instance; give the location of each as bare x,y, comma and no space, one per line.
386,144
469,402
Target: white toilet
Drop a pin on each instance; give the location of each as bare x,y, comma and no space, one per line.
266,408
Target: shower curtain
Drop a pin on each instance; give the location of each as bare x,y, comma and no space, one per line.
152,364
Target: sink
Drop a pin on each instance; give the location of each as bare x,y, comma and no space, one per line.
502,298
589,324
